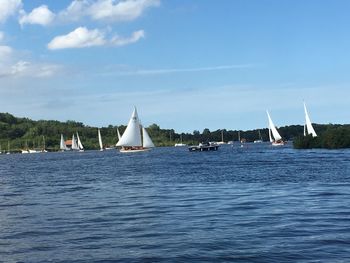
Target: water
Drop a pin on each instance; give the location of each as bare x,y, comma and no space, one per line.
252,204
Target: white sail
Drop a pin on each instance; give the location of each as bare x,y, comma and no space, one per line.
147,141
100,139
274,131
74,143
132,134
80,146
118,133
63,146
309,128
270,135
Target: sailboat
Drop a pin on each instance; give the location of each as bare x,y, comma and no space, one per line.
131,140
8,147
181,143
222,138
100,140
275,137
308,129
80,146
241,141
260,138
63,146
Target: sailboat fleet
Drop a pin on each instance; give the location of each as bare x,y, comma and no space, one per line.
136,138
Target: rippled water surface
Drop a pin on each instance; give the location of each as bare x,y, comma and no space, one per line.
251,204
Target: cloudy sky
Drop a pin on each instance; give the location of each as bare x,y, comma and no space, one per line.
185,64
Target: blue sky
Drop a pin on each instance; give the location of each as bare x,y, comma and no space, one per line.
186,65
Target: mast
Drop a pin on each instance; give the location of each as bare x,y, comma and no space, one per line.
222,135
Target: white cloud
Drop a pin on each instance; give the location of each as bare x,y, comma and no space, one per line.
120,11
75,11
79,38
2,36
5,52
83,37
40,15
121,41
19,67
9,8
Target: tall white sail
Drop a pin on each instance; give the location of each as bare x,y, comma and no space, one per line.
270,135
274,131
309,128
80,146
132,135
74,143
100,139
63,146
147,141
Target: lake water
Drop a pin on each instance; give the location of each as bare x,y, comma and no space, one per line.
251,204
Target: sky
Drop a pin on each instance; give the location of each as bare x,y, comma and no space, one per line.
185,64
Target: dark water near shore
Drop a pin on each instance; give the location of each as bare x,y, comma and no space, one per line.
255,204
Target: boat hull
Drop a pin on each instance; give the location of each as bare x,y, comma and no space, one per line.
134,150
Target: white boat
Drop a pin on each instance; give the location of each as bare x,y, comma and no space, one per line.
308,129
63,146
274,136
180,144
74,146
80,146
131,140
100,140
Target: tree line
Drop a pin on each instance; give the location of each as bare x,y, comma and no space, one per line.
22,133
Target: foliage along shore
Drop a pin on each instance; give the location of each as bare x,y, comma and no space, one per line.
22,133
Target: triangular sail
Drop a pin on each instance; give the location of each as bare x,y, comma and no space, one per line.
74,143
80,146
63,146
132,134
309,128
270,135
100,139
147,141
274,131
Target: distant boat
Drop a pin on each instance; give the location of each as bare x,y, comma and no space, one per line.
63,146
100,140
8,147
241,141
131,140
222,138
308,129
274,136
80,146
260,138
180,144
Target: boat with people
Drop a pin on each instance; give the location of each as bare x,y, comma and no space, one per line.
274,136
135,137
204,147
